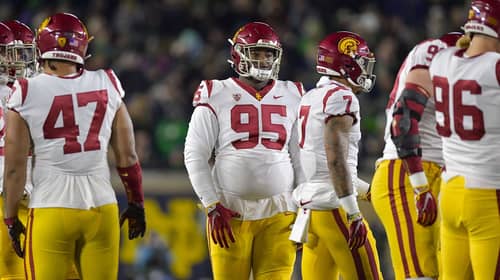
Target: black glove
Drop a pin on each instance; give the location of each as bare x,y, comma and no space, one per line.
136,220
15,228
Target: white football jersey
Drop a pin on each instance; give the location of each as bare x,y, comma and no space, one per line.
70,121
250,132
419,57
328,99
467,98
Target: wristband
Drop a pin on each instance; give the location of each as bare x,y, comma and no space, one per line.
349,204
132,181
418,180
9,221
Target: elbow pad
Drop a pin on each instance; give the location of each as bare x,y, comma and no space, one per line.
407,113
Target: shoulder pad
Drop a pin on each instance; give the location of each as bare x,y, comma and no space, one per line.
425,52
205,91
294,87
340,101
116,82
18,94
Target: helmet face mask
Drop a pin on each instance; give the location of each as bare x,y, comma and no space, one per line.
345,54
22,53
23,58
6,39
256,52
258,62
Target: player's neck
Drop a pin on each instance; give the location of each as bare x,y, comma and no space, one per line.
59,68
481,44
256,84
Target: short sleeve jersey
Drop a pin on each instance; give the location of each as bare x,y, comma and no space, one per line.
467,98
419,57
70,120
316,107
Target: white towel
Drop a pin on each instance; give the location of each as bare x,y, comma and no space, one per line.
301,226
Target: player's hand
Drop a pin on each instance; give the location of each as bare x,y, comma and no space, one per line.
219,225
357,231
368,195
136,220
426,206
15,228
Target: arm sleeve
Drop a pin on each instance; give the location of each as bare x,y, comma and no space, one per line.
200,142
293,148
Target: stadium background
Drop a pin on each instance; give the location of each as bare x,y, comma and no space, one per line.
161,50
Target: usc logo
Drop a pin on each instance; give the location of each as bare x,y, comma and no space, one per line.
348,46
44,24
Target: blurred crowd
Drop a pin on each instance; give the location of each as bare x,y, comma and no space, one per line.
162,49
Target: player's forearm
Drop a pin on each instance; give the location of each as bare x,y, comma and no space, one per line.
201,178
336,147
13,189
341,177
294,151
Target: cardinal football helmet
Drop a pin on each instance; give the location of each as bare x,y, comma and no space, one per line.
345,54
22,53
484,18
246,41
63,37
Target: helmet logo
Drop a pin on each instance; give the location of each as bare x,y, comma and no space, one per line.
348,46
236,34
61,41
471,14
44,24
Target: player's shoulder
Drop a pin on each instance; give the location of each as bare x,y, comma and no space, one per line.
336,92
18,93
451,51
297,88
208,89
334,89
442,57
423,53
109,76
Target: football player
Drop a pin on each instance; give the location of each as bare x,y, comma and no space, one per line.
248,124
337,240
69,115
11,266
21,55
466,84
404,191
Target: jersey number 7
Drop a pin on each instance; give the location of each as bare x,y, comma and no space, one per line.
63,104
